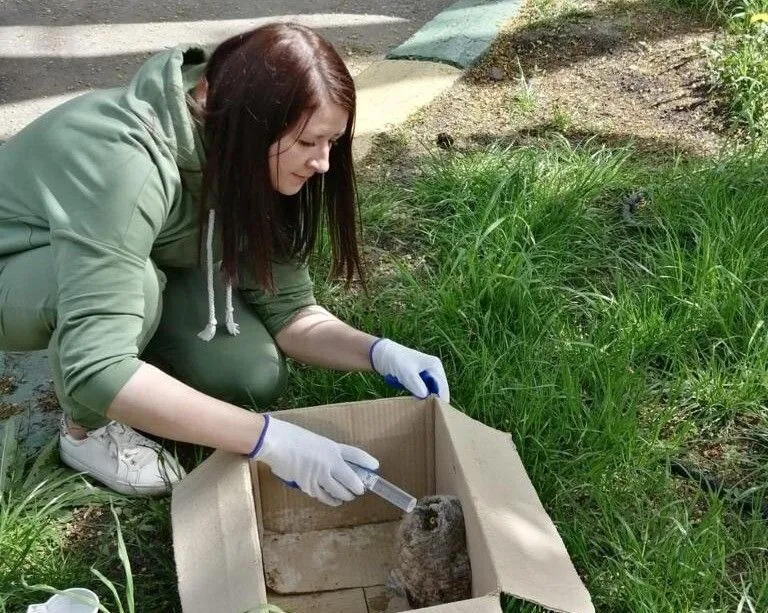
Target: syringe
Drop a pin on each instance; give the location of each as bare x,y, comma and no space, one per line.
380,486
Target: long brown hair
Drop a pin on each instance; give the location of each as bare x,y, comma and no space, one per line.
261,85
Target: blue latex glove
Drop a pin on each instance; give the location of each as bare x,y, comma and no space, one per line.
419,373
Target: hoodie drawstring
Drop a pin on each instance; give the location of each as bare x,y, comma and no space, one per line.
209,331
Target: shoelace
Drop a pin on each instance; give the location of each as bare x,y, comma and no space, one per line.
125,443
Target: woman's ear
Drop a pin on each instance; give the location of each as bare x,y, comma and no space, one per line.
200,93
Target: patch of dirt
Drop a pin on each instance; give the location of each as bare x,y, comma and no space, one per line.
83,532
8,385
611,72
46,398
9,409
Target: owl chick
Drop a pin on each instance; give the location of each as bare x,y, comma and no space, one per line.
431,564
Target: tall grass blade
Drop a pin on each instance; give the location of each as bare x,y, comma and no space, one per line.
8,454
123,555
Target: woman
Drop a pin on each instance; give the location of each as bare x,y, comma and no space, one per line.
114,207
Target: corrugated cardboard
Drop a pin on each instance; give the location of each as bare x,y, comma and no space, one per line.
381,600
342,601
241,536
331,559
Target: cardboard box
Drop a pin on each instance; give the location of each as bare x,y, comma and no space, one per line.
241,538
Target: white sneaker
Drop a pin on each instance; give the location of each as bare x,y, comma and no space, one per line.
122,459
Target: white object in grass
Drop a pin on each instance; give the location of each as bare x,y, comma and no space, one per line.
72,600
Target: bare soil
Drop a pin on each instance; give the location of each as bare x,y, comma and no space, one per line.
613,72
46,399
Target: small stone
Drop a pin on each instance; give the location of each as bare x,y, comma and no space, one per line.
496,74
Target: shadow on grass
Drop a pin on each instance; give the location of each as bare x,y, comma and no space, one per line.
612,140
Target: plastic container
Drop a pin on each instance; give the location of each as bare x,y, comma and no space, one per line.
72,600
388,491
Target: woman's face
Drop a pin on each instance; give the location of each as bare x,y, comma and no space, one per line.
300,153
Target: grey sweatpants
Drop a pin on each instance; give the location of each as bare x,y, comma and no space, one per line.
247,369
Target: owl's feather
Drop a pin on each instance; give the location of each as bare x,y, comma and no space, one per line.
431,564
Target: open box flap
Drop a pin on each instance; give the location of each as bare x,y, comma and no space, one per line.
215,542
485,604
514,545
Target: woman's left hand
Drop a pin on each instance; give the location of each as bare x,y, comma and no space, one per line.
419,373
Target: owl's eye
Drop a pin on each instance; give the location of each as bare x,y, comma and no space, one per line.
432,521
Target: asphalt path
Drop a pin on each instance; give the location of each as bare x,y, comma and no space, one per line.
52,50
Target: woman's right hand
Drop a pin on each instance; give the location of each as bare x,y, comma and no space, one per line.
317,465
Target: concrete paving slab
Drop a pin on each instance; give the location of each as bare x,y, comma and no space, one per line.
460,34
390,91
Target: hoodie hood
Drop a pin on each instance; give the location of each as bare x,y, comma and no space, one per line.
158,96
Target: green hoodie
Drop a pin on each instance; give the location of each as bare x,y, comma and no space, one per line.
109,180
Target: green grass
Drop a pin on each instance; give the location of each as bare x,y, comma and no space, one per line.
739,66
740,73
738,63
46,544
605,349
35,500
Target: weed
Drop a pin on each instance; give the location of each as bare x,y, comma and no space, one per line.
740,72
35,499
525,96
130,606
561,118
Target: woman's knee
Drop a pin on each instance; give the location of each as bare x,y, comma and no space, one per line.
247,369
253,382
